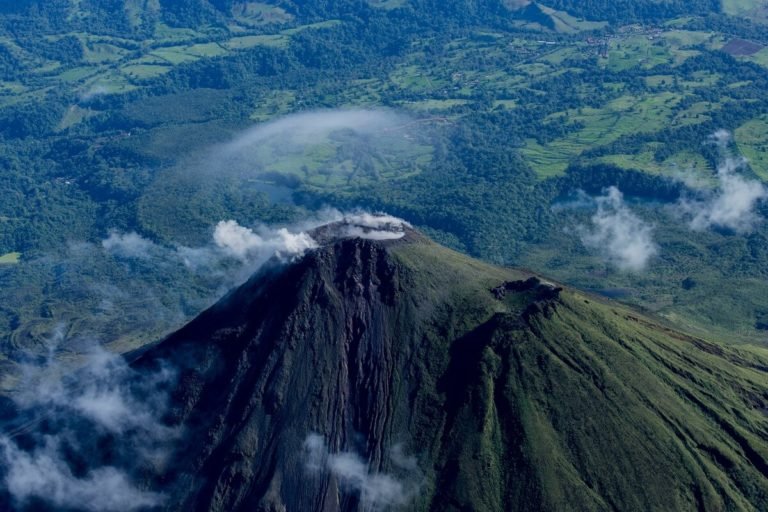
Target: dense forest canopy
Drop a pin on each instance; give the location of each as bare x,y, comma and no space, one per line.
111,109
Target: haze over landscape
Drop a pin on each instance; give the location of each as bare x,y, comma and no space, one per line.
383,255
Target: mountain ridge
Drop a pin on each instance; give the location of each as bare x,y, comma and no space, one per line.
537,397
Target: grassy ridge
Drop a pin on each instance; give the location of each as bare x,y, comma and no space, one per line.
538,400
588,405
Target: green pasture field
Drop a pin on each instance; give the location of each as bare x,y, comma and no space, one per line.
621,116
257,14
752,141
755,10
387,4
10,258
686,161
118,65
567,24
269,40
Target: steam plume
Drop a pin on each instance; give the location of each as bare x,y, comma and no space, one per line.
240,242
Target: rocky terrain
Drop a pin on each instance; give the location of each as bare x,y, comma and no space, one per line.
375,374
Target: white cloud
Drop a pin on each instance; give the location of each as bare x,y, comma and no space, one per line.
94,91
235,239
230,241
129,245
103,399
623,238
731,205
298,130
283,145
377,490
44,474
721,138
241,242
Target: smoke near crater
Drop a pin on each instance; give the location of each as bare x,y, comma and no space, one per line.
249,247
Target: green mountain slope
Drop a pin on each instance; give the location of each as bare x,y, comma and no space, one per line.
643,10
511,394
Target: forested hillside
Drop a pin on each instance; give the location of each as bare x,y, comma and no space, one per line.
498,116
641,11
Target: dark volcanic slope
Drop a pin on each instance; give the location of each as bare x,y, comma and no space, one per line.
524,398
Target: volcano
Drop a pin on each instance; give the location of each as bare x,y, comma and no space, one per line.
386,372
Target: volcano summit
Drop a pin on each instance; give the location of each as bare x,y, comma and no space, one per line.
382,372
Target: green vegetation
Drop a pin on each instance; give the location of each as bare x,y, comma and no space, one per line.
566,23
273,40
627,11
537,398
107,119
10,258
747,9
752,139
122,118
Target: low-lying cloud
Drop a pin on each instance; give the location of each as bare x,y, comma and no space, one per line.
347,144
235,251
128,245
99,394
620,236
93,92
68,415
732,203
44,474
377,490
295,131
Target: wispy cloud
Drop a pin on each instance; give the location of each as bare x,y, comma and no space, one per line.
241,242
234,252
377,490
69,414
319,140
129,245
93,92
296,131
620,236
44,474
732,204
